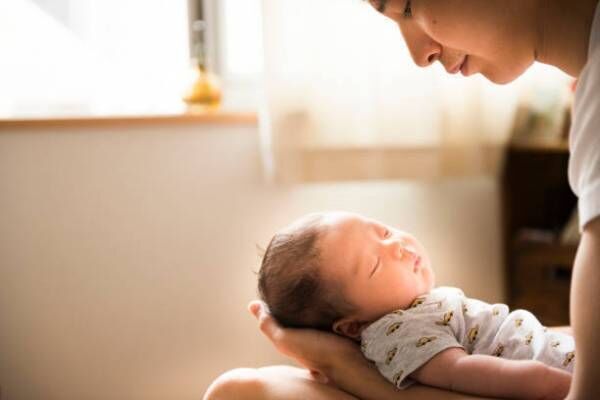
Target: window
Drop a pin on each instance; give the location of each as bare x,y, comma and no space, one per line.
115,56
241,41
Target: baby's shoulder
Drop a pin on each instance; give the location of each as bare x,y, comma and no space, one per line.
443,297
446,292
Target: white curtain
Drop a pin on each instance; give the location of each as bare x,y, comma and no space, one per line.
87,57
344,100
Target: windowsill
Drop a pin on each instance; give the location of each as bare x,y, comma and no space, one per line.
219,117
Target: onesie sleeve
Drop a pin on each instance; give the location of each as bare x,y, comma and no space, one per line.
400,343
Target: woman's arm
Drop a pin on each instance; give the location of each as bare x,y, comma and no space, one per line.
585,320
339,360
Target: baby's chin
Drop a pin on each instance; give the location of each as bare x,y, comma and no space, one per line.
430,280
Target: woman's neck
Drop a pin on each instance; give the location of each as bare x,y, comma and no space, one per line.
563,33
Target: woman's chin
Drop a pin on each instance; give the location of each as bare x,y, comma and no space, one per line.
504,77
501,80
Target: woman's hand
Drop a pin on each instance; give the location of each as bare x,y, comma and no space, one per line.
318,351
338,361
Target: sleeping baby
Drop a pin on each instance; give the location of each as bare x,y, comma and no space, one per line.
362,279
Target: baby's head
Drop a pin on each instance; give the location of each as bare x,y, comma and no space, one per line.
340,271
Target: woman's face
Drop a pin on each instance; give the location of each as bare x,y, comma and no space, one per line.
493,37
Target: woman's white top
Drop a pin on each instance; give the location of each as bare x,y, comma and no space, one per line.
584,138
401,342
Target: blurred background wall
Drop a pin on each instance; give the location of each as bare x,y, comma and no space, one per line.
127,253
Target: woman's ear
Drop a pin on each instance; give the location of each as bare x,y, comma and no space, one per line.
349,327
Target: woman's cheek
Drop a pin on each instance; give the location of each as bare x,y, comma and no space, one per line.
432,19
446,38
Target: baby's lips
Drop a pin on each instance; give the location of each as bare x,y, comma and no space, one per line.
417,263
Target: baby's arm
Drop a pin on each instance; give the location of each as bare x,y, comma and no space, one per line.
486,375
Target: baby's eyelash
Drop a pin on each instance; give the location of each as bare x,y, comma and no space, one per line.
374,268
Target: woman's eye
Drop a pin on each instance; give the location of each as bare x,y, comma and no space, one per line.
408,9
379,5
387,234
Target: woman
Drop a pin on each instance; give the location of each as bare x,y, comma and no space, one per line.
499,39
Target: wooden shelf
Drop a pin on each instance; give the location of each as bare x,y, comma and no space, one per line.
537,202
541,144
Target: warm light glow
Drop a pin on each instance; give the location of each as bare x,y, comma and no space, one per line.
117,56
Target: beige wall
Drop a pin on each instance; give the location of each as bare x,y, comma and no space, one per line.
126,254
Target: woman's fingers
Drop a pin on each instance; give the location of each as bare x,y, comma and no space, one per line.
254,307
266,323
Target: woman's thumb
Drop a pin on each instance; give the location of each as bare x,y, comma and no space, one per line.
255,307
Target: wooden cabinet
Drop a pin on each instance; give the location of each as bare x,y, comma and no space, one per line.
537,202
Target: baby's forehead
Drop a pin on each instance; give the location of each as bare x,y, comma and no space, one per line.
339,239
342,218
348,223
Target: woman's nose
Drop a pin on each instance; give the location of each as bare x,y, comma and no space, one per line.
423,49
427,54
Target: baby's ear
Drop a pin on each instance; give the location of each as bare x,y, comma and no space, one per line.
349,327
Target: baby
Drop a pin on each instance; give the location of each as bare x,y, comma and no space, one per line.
373,283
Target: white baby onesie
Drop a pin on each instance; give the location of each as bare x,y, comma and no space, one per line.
401,342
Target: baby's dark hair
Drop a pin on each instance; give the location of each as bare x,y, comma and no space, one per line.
291,282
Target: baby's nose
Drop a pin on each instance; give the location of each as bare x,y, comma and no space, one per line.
402,250
398,249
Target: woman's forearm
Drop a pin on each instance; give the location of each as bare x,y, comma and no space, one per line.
359,377
340,360
356,375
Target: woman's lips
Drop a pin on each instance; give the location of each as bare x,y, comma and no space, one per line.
463,66
457,67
